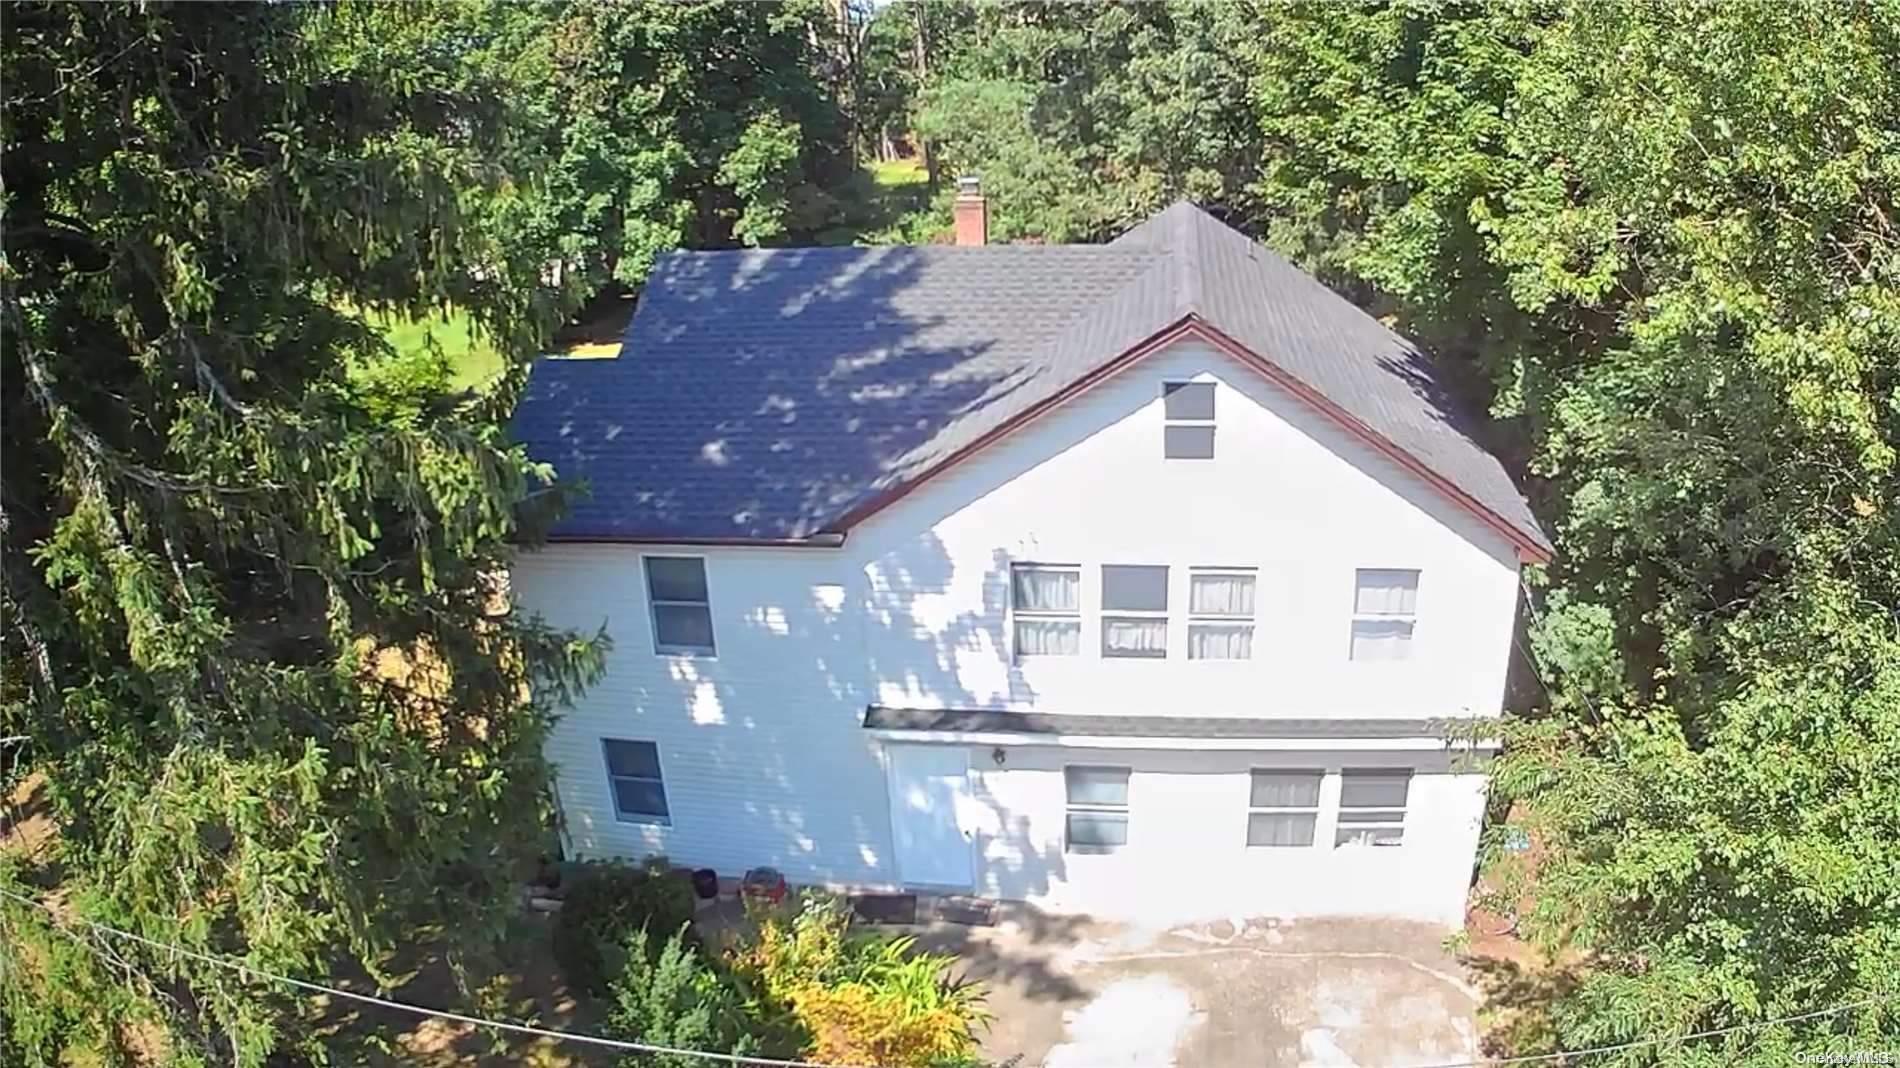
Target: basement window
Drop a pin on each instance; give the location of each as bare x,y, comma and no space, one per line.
1282,807
1372,806
1187,432
1097,809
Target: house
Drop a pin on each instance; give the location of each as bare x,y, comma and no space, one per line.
1133,579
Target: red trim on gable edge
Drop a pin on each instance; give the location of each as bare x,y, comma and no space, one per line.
821,540
1528,551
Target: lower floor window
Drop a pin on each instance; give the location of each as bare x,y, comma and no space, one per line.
1097,809
1372,806
633,774
1282,807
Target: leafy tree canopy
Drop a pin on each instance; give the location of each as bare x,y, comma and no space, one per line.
253,628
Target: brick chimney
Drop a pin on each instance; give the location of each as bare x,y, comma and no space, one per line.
972,212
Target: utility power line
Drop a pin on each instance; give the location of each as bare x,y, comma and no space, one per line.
769,1062
400,1006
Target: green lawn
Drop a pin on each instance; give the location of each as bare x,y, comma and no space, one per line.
897,172
476,362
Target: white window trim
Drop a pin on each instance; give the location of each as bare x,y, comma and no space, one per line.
1408,618
613,796
1193,617
1319,802
1013,613
1209,423
660,648
1409,774
1126,810
1107,614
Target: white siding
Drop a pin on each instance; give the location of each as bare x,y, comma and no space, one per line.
763,756
1187,856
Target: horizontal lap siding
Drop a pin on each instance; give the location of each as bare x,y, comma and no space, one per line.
1187,856
763,757
1288,494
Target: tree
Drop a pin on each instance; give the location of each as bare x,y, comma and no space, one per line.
253,630
1663,233
651,126
1087,119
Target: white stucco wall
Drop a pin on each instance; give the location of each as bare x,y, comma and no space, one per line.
763,757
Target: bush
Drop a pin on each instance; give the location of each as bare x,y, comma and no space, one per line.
674,998
863,999
604,905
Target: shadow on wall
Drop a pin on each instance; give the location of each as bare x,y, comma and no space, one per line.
794,380
773,724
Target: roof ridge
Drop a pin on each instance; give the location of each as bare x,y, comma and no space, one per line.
1186,248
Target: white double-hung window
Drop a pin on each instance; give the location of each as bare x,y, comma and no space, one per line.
1283,806
1097,816
1384,613
1220,613
1046,603
681,607
1372,806
1135,611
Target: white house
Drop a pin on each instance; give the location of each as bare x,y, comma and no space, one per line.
1133,579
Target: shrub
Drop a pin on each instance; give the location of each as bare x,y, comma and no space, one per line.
606,903
859,999
672,997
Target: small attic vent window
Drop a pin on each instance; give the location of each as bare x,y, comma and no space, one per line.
1188,415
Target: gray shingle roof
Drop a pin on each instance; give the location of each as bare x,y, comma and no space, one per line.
766,394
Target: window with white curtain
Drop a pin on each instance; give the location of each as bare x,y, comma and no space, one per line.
1384,613
1097,809
1046,603
1187,432
1283,807
1372,806
1220,613
1135,611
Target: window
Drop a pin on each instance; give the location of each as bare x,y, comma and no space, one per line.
1187,431
1384,609
1134,611
633,774
1098,809
1372,806
1047,603
682,613
1283,808
1220,614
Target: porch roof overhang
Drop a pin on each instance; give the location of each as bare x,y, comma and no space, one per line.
994,727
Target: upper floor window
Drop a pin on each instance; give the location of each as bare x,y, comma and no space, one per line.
1384,611
633,775
682,611
1188,420
1135,611
1282,807
1097,809
1047,604
1372,806
1220,613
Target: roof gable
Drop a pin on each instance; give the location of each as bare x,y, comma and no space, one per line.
779,395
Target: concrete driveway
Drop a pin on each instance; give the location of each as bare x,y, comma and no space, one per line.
1070,992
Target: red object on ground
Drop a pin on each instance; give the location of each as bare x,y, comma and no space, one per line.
764,883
